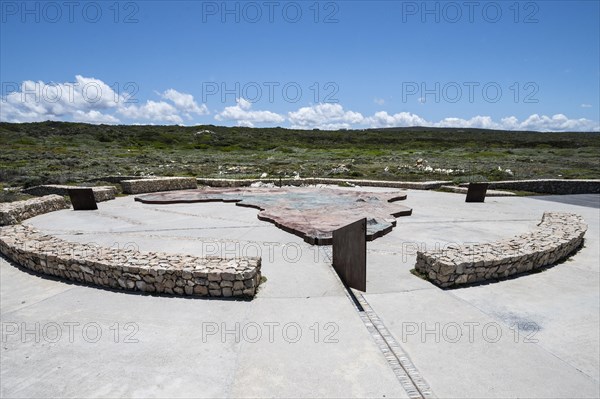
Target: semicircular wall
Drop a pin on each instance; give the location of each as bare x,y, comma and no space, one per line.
555,238
130,269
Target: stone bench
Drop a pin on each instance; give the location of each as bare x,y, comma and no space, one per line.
554,239
16,212
130,269
101,193
139,186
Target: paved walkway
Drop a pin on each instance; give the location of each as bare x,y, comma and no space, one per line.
534,336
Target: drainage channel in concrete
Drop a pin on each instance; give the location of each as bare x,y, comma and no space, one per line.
408,375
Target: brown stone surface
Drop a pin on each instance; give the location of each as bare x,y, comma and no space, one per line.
311,213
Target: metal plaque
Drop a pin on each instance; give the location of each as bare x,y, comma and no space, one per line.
350,254
83,199
476,192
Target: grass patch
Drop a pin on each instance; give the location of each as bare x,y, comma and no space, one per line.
59,152
12,196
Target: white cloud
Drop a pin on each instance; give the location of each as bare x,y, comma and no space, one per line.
383,119
94,117
479,122
92,93
324,116
38,101
185,103
158,111
379,101
244,116
333,116
558,122
90,100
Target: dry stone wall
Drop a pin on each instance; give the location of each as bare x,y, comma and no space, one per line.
554,239
130,269
428,185
550,186
488,193
101,193
16,212
139,186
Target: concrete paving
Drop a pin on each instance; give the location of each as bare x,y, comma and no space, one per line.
549,321
301,335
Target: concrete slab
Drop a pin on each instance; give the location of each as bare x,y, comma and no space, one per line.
592,201
170,329
559,313
482,364
146,346
32,289
559,308
331,358
178,347
560,304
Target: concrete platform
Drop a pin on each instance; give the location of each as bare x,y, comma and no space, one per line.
178,347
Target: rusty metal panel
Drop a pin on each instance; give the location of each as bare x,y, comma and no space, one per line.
476,192
350,254
83,199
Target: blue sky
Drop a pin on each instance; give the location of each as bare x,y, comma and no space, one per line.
351,64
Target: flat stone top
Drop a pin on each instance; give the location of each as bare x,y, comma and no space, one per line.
67,187
312,213
157,179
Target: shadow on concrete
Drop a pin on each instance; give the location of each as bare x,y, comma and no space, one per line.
587,200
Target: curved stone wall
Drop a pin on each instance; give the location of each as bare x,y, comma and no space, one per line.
555,238
16,212
129,269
